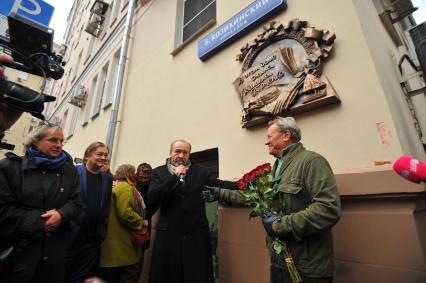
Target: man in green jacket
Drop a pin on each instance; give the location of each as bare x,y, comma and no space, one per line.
310,206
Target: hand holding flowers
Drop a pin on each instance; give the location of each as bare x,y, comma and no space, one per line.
262,196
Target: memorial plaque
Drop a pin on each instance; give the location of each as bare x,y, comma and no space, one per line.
281,72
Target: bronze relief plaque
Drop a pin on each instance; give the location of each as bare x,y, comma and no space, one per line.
281,72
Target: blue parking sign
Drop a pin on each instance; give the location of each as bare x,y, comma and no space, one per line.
35,10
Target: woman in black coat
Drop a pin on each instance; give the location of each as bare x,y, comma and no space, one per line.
182,249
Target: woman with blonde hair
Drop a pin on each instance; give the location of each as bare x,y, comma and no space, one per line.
119,256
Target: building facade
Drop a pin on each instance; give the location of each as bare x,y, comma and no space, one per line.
169,93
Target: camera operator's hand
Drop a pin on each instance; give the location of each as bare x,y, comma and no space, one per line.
4,59
8,115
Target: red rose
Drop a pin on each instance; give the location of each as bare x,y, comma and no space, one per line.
259,170
246,177
253,175
241,185
267,167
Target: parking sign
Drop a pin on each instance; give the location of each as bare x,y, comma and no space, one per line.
35,10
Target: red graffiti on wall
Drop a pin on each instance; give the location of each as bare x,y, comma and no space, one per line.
385,135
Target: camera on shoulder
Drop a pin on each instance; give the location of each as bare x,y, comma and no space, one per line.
30,45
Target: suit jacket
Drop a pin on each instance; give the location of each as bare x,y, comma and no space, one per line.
106,180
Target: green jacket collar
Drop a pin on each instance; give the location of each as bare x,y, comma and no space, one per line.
288,155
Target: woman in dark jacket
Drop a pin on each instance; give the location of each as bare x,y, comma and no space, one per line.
38,200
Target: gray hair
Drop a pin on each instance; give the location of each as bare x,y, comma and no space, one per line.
288,124
184,141
39,134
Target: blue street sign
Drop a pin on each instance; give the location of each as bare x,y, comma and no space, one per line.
238,25
36,10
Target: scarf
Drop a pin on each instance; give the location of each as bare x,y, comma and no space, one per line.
43,160
140,206
172,168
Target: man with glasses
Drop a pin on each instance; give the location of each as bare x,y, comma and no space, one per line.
38,201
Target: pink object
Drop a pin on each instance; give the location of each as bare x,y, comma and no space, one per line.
411,169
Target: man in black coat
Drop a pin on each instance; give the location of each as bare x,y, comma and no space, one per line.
38,201
182,249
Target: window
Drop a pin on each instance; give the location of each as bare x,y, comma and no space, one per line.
106,21
192,18
100,91
64,120
115,10
112,80
73,122
66,81
90,94
90,48
77,66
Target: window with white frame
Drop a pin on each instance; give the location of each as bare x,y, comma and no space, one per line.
77,66
100,91
66,82
90,96
64,120
73,122
192,18
115,10
90,48
112,81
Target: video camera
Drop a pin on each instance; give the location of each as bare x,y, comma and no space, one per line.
31,47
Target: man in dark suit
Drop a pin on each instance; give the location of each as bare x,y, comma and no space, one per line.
90,230
182,249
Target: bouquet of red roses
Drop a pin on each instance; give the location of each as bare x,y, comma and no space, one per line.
260,193
258,190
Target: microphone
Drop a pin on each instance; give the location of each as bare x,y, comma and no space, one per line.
411,169
182,176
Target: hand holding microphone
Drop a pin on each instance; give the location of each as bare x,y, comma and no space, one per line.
411,169
181,171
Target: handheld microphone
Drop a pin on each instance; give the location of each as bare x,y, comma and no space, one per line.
411,169
182,176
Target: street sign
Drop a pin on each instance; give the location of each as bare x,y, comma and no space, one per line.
239,24
35,10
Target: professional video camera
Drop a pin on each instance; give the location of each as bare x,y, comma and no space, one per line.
31,47
30,44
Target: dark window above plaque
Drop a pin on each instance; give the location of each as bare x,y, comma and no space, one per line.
192,18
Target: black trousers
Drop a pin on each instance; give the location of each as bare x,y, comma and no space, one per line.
279,275
82,262
33,264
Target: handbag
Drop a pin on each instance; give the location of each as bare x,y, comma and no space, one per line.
140,238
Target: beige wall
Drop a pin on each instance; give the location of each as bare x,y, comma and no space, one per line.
181,97
166,97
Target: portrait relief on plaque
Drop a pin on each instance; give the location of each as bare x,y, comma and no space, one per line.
281,72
